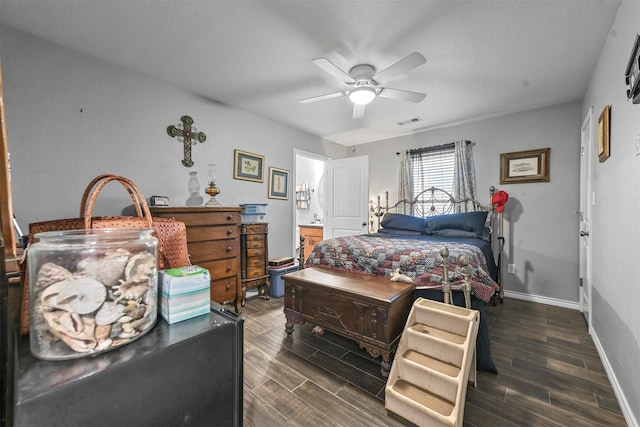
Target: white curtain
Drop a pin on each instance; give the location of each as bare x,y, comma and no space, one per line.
464,175
404,183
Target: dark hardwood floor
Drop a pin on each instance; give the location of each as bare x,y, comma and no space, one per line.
549,373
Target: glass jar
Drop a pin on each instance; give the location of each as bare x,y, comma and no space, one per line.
91,290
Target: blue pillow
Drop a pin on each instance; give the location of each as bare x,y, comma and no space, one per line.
452,232
466,221
402,222
392,232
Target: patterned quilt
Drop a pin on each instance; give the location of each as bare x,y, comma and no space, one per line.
420,260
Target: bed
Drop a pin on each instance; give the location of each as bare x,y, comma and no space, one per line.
449,256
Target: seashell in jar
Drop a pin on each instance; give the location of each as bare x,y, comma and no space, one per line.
131,290
107,270
140,267
49,274
134,309
77,294
102,332
83,341
109,312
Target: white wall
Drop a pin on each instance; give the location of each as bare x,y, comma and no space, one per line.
71,117
540,220
615,231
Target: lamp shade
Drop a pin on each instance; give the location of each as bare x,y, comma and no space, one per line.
362,95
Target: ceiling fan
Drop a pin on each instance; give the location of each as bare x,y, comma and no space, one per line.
365,82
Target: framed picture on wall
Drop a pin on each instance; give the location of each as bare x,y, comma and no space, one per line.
525,166
248,166
603,134
278,183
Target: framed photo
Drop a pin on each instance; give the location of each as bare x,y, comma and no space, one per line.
248,166
632,72
525,166
278,183
603,134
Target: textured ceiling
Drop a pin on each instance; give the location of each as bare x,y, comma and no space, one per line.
484,58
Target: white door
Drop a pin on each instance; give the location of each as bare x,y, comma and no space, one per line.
586,150
346,196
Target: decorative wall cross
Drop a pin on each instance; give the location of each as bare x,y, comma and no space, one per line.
187,134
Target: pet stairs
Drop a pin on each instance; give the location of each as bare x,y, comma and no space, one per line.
427,384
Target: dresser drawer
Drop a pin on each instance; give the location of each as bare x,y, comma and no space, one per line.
255,272
255,237
255,228
224,290
222,268
199,233
213,250
202,217
255,244
256,252
256,262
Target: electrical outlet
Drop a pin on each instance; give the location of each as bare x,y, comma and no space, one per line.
511,268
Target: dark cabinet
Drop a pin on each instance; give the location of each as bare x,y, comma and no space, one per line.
185,374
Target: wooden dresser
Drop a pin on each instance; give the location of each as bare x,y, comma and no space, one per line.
213,238
312,236
255,253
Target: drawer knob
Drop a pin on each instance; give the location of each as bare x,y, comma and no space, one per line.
228,287
229,217
228,268
229,249
229,232
256,262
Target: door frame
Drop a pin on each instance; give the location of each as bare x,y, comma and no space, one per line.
294,180
586,198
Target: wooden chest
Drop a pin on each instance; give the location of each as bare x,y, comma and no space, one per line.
367,309
213,238
254,247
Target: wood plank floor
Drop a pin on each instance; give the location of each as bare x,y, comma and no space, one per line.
549,373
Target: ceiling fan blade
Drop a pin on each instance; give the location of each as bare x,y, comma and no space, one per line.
358,111
333,69
322,97
407,63
403,95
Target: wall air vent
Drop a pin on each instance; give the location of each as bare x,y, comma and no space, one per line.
410,121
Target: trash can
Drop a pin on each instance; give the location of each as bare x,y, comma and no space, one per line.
275,278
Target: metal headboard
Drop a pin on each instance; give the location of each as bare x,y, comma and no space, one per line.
433,201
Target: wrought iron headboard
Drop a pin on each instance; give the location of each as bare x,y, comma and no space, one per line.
433,201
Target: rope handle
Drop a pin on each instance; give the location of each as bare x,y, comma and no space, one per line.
91,194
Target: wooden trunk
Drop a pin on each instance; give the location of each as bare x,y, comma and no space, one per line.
369,310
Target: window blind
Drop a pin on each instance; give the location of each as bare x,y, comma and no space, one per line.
432,167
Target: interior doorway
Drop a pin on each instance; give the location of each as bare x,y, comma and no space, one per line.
586,150
308,192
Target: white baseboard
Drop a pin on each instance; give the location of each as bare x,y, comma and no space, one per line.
543,300
622,401
625,407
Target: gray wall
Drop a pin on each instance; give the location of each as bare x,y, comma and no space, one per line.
615,231
540,220
71,117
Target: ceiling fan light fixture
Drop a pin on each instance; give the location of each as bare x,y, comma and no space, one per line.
362,95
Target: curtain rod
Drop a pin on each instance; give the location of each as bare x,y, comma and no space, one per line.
433,147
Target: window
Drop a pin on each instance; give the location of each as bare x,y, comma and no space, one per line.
431,167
